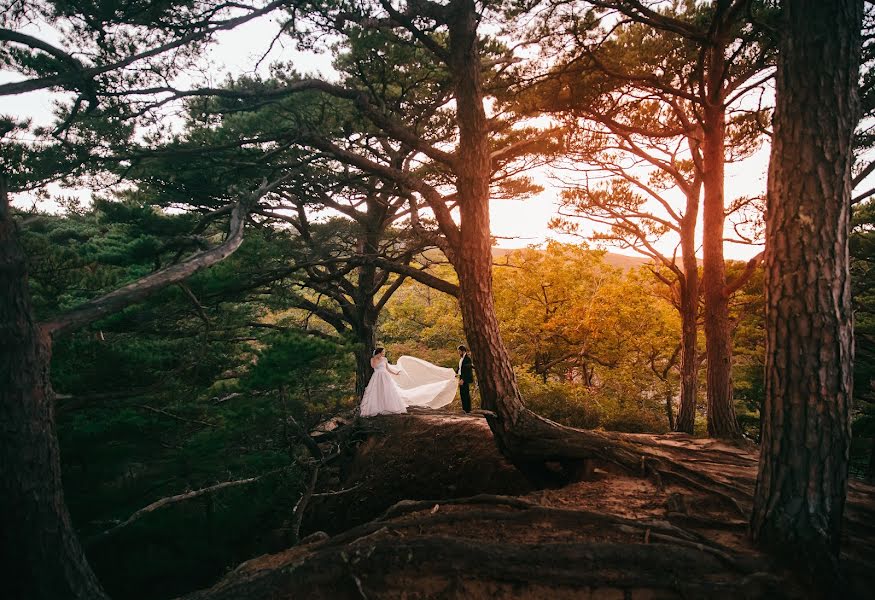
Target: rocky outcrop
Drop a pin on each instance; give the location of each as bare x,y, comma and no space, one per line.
423,506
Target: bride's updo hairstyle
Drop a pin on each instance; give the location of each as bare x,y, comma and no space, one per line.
378,351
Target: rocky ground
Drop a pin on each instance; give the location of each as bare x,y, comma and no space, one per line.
423,506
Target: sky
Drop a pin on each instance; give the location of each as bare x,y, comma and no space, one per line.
515,223
526,221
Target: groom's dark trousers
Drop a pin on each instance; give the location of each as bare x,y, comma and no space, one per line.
465,393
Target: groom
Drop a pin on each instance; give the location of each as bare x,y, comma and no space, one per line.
466,378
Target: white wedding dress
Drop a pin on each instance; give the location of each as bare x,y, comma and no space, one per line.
419,383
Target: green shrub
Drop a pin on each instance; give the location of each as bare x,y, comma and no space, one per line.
561,402
575,405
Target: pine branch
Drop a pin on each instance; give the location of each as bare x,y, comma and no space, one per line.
158,504
140,289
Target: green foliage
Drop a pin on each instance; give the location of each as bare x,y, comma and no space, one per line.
561,401
119,456
593,346
424,322
747,312
142,413
862,247
315,371
571,404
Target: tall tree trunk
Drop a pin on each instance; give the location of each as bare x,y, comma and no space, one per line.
495,377
366,341
524,438
38,545
802,480
365,320
472,258
718,334
689,309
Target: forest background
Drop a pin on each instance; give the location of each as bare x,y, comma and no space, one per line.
203,381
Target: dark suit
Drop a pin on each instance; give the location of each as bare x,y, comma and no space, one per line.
466,377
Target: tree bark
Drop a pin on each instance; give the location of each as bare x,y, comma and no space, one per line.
367,341
38,545
802,480
38,540
472,258
718,332
689,310
495,378
366,314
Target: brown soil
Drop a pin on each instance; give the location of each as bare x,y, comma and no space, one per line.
434,511
429,455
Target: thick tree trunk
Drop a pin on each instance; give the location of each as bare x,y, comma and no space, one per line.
689,309
802,480
472,258
38,546
365,321
36,537
495,377
525,438
366,340
718,332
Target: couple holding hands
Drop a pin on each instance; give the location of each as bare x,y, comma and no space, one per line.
415,382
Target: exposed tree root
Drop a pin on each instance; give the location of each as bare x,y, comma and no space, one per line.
533,441
301,506
385,564
649,517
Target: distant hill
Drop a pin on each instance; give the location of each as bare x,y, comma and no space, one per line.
621,261
625,262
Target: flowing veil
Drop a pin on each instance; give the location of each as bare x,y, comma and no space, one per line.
424,384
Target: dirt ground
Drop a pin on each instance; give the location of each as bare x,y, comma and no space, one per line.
424,506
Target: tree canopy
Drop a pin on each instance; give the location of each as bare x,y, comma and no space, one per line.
196,263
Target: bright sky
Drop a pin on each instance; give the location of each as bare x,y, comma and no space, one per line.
516,223
525,221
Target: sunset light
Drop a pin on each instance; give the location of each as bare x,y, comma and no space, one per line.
437,299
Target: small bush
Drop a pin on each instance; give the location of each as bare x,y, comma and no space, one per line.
577,406
561,402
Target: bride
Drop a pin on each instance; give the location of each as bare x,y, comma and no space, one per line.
412,382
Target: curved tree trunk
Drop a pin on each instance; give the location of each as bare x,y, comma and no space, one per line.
36,538
495,377
524,438
802,481
527,440
472,258
38,545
